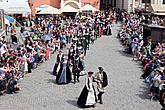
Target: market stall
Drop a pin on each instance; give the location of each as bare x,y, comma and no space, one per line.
156,32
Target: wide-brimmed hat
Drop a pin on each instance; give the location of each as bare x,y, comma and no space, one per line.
100,68
90,72
60,51
160,70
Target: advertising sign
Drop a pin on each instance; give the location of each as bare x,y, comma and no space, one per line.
2,22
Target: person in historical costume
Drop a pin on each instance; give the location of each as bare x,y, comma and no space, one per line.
87,97
82,65
102,81
58,62
63,40
109,27
84,44
77,68
25,64
30,61
64,74
13,35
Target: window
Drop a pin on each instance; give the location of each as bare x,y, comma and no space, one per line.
146,1
164,2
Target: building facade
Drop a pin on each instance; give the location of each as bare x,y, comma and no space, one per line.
61,3
130,5
107,4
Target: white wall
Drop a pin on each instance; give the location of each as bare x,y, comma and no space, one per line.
16,0
127,5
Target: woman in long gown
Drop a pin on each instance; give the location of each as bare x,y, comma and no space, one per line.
87,97
109,32
58,63
64,74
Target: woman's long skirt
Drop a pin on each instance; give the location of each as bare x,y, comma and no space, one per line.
63,76
29,67
86,98
14,38
56,68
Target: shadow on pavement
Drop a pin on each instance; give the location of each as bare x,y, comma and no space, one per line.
124,53
73,102
52,81
144,94
50,72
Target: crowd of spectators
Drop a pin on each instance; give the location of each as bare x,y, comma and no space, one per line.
42,36
150,54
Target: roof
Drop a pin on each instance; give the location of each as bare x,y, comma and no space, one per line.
15,7
68,8
153,26
161,14
156,8
49,10
88,7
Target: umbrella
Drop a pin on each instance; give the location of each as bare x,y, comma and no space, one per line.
7,22
46,37
9,19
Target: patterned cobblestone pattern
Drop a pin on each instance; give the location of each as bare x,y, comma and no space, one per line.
126,91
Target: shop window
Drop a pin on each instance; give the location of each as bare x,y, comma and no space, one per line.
146,1
164,2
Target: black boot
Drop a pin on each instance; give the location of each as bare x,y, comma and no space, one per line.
100,97
1,93
101,101
98,100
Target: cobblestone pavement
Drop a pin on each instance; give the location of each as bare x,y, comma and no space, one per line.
126,91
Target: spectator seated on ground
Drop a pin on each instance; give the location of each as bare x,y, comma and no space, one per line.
12,86
151,55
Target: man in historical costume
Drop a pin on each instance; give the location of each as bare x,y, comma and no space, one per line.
84,44
102,81
87,97
87,37
58,62
76,70
63,40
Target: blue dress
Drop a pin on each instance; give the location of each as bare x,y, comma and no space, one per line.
64,75
62,78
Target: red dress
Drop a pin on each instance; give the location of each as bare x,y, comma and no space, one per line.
47,54
100,32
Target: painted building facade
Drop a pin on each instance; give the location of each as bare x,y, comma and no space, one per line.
61,3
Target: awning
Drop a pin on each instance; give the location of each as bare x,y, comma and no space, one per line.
161,14
15,7
68,8
49,10
156,8
88,7
42,7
